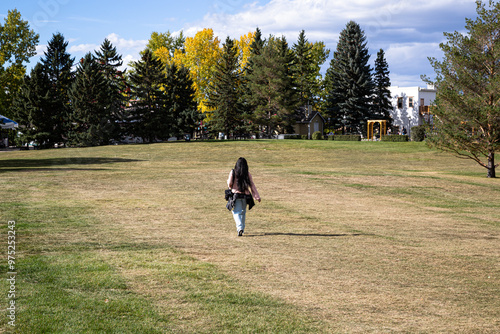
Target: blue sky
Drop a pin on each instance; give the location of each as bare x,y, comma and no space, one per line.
409,31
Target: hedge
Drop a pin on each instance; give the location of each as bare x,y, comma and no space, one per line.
292,136
418,133
317,135
395,138
347,137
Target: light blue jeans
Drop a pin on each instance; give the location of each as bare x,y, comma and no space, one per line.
239,212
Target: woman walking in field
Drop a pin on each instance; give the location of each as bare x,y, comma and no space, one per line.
240,182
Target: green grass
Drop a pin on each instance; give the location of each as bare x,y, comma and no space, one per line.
350,237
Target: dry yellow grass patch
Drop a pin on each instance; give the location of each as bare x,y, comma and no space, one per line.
366,241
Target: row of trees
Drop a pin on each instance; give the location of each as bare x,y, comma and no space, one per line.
258,85
97,102
250,85
247,85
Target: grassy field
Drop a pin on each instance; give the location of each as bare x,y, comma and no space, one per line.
359,237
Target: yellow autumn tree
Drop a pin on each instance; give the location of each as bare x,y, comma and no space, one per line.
163,45
244,48
163,54
200,56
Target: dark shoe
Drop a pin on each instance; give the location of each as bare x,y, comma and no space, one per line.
240,233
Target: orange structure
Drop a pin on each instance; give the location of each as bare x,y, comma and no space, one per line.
383,128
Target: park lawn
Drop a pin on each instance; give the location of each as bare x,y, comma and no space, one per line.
350,237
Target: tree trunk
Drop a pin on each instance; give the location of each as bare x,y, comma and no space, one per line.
491,165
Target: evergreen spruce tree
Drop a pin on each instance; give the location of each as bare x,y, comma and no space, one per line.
90,123
181,102
110,61
466,113
349,83
224,97
270,91
57,64
32,108
150,119
255,49
303,71
382,96
248,104
290,98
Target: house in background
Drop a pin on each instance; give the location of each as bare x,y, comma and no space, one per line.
309,122
411,106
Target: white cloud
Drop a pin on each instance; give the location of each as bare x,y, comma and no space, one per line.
128,48
406,80
409,32
407,62
83,48
401,54
40,49
127,60
126,44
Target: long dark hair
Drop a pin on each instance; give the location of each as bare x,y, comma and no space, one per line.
241,173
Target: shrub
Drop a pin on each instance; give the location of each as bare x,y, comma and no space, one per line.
331,137
317,135
418,133
347,138
303,136
292,136
395,138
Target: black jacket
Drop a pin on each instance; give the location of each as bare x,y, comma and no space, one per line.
249,198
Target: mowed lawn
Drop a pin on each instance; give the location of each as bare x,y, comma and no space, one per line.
360,237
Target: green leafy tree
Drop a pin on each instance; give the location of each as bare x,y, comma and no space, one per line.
349,85
225,92
17,44
308,58
319,54
382,95
90,121
150,119
57,65
181,100
466,115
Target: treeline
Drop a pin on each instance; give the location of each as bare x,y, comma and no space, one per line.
195,85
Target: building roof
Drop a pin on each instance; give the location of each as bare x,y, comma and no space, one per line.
305,117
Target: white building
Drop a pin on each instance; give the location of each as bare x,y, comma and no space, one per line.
411,106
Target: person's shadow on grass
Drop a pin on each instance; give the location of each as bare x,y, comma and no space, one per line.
331,235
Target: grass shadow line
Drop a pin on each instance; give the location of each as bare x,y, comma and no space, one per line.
47,169
10,165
